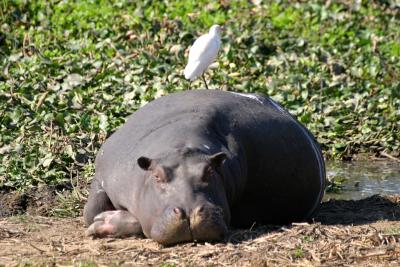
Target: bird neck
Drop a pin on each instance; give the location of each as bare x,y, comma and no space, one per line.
215,34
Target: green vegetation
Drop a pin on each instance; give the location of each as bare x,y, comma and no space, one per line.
167,264
298,253
72,72
335,184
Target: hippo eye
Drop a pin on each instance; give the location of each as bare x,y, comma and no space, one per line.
157,178
208,174
160,179
159,175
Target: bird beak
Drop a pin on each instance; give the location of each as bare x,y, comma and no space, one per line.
223,29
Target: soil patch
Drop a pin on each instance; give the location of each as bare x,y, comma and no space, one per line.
359,233
34,201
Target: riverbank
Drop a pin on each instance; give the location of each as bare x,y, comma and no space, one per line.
359,233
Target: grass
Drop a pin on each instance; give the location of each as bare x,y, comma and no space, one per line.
72,71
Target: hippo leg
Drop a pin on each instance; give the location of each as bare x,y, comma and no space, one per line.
114,223
98,202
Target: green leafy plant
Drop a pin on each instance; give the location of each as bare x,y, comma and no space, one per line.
73,71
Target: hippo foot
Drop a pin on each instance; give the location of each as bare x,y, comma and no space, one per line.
114,223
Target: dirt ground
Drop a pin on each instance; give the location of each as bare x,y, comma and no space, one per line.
35,201
345,233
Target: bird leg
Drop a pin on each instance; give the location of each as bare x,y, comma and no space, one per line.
190,85
204,80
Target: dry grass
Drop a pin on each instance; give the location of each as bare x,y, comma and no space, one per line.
371,239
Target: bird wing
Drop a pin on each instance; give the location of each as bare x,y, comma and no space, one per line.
202,53
198,47
204,49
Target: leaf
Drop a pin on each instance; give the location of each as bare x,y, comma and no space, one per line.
103,122
71,81
47,160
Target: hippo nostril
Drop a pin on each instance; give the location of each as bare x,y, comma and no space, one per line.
200,209
177,211
207,223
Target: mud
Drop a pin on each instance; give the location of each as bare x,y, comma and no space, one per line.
358,233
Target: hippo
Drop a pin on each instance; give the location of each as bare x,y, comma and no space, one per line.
188,166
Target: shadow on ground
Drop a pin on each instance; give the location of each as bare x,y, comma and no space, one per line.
358,212
335,212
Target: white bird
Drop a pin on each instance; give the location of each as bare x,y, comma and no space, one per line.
202,53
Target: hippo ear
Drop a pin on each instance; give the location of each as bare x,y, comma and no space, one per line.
217,159
144,163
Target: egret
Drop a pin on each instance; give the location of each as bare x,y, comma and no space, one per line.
202,53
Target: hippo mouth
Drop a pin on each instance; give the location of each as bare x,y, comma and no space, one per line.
203,224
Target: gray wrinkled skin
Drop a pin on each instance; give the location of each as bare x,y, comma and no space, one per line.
187,166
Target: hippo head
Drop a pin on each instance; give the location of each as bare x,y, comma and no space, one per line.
183,198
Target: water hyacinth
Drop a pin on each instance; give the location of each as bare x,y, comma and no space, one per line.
72,72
